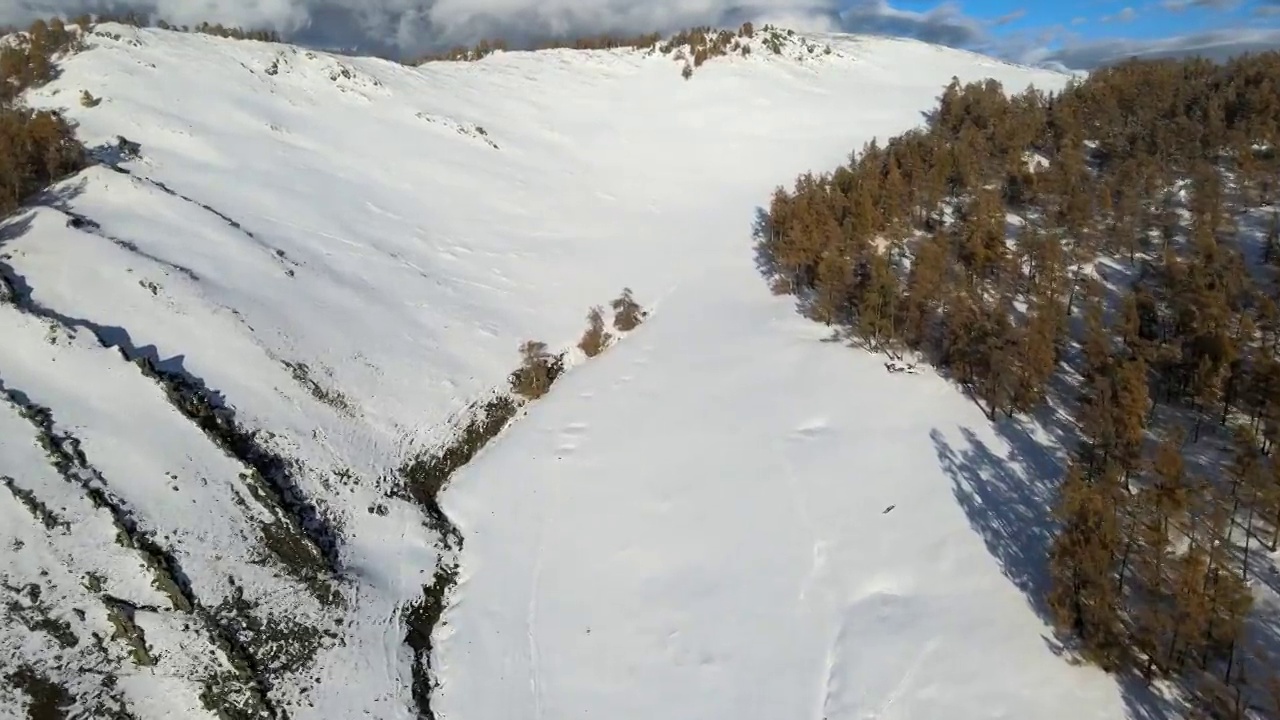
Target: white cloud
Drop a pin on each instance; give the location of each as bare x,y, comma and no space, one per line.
1213,44
1180,5
945,23
409,27
1127,14
1010,17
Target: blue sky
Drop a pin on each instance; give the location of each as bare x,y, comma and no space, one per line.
1078,35
1114,18
1094,21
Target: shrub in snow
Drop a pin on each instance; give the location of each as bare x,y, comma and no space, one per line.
595,338
538,370
627,313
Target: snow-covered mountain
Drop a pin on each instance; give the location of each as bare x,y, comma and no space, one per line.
722,516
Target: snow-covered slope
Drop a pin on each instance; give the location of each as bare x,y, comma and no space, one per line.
347,251
772,527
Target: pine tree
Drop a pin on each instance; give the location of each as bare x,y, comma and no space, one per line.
878,305
983,247
1083,596
1229,599
1129,377
832,286
1192,611
1248,481
627,313
1037,341
926,287
1096,343
895,198
595,338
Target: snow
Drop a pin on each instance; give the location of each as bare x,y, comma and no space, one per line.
744,565
692,525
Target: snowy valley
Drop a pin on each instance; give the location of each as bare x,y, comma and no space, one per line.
720,516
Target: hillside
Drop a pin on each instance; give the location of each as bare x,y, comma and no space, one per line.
1106,260
348,252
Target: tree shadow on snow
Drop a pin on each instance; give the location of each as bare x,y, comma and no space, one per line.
777,281
761,227
1008,498
15,226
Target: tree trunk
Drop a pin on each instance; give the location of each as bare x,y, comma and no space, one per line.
1248,535
1228,394
1124,566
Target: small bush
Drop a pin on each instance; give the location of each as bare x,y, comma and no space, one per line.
596,338
773,39
88,100
687,72
538,370
627,314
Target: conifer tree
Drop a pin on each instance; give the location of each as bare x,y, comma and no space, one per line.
595,338
1153,164
926,286
1083,598
627,313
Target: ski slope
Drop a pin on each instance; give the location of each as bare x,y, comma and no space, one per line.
348,251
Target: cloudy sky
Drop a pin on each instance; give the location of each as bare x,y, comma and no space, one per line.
1079,35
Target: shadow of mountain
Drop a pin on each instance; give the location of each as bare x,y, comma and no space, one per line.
189,394
15,288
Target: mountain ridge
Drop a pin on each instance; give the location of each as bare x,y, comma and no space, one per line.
347,253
